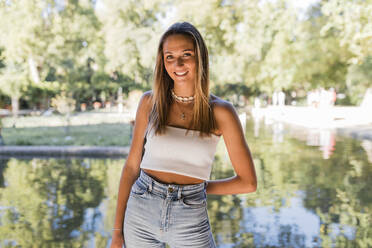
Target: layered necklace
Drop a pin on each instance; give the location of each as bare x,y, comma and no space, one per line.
182,100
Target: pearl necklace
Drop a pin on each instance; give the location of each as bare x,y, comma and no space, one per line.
182,99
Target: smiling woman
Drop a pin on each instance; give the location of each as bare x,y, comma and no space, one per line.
165,180
180,58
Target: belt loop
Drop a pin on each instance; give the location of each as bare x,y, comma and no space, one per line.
150,186
179,193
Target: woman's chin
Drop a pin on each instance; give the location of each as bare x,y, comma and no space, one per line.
182,80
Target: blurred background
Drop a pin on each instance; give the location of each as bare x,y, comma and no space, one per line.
298,72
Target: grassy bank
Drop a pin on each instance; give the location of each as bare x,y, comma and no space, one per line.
117,134
76,119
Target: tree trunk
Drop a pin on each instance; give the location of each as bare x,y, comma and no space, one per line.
15,105
33,70
67,126
1,137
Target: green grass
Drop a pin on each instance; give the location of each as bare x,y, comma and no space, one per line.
56,120
117,134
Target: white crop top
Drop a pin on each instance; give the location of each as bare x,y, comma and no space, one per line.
176,152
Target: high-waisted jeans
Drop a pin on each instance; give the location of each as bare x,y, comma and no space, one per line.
159,214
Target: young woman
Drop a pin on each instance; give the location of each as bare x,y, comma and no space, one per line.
165,179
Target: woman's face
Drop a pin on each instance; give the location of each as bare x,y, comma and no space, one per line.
179,58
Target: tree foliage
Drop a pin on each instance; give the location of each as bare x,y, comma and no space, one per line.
92,48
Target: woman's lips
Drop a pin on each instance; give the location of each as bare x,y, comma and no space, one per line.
181,74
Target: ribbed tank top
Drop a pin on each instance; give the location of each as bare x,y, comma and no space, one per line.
176,152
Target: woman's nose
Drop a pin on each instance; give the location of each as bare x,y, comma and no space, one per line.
179,61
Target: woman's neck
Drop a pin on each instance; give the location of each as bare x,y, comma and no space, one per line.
183,91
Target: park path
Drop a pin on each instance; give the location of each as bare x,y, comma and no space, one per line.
355,122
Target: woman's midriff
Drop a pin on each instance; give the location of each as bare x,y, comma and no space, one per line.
172,178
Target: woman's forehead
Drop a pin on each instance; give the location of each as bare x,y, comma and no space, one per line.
178,43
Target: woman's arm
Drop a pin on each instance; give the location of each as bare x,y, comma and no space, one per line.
245,180
131,167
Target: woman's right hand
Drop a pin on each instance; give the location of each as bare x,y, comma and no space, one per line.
117,240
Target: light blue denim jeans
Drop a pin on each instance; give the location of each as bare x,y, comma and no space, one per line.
159,214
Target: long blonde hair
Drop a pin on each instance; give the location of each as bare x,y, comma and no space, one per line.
203,119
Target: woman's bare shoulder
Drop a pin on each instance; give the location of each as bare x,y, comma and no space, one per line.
223,111
219,105
147,95
144,107
146,100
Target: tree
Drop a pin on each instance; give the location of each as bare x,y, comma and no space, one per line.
74,52
21,22
92,48
65,105
359,79
131,30
350,22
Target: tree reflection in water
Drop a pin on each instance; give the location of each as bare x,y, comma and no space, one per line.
45,202
302,199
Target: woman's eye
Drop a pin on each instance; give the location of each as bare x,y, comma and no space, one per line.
169,57
187,54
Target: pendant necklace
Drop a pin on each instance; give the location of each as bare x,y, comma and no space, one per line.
182,115
182,100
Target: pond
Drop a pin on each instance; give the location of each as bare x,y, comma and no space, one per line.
314,190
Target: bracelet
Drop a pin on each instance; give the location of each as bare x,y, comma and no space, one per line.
117,229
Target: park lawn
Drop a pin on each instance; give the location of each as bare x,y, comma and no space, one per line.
117,134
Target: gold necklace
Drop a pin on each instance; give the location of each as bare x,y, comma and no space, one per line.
183,114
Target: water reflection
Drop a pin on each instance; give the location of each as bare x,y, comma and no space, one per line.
53,202
302,200
323,138
283,227
334,190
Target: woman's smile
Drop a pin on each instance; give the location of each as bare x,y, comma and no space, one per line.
181,74
179,58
